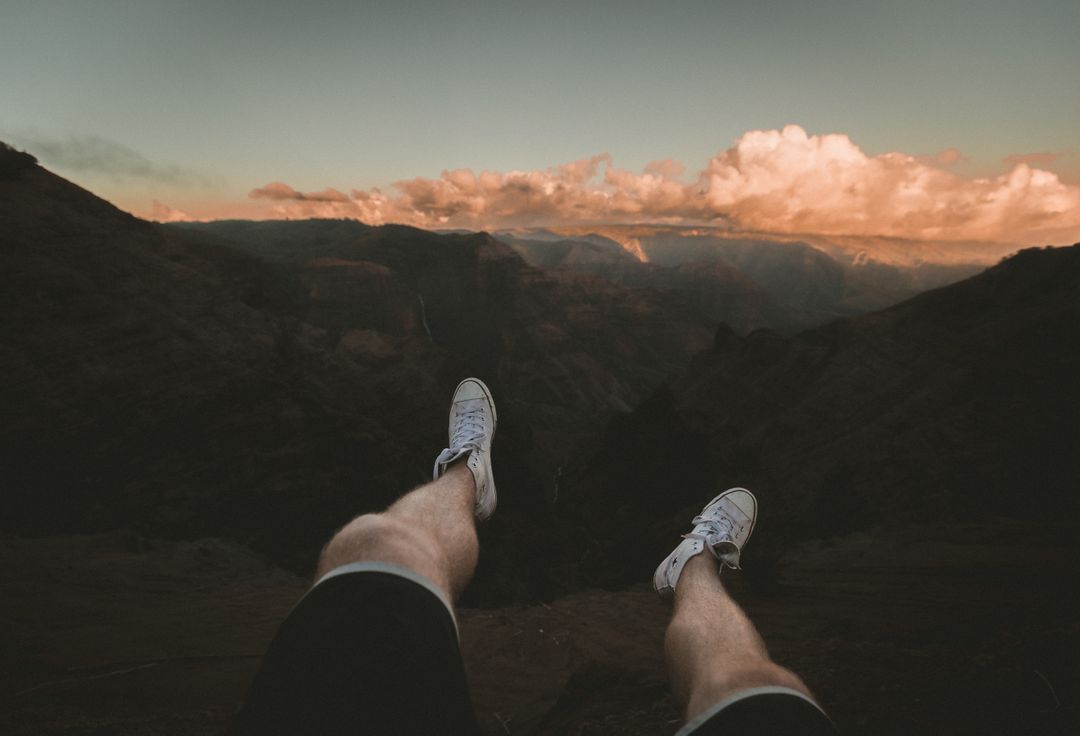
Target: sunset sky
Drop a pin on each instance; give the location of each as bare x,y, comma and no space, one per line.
931,120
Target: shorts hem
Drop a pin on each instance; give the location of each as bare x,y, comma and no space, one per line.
701,719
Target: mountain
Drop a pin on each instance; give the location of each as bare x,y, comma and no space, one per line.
960,403
562,345
266,381
710,285
752,281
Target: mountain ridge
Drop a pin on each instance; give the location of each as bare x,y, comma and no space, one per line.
173,381
172,378
939,406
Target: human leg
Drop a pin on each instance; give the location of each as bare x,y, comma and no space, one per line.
712,648
718,663
430,530
373,646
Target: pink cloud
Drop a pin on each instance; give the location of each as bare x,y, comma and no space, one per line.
1043,158
783,181
667,168
162,212
949,157
279,191
788,181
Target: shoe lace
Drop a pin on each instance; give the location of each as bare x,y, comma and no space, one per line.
711,529
468,436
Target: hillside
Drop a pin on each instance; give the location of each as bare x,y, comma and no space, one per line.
958,404
261,382
834,275
187,383
713,287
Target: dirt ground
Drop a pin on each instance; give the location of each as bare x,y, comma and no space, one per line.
933,629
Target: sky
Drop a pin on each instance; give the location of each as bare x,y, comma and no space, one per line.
918,119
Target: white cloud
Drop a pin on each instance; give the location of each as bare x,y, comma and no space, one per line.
783,181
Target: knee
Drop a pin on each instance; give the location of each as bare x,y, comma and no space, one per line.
367,537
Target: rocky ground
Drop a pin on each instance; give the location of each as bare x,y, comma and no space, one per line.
929,629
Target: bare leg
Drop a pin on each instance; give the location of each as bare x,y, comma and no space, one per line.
430,530
713,651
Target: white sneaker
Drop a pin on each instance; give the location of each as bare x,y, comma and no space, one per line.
723,527
472,427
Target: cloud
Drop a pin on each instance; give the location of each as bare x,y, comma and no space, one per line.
783,181
591,189
95,155
279,191
946,157
789,181
666,169
1044,158
162,212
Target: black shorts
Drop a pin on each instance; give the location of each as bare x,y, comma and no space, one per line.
373,649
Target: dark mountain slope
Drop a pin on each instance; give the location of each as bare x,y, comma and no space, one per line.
268,381
812,284
795,273
553,339
264,381
959,403
148,380
711,286
747,282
